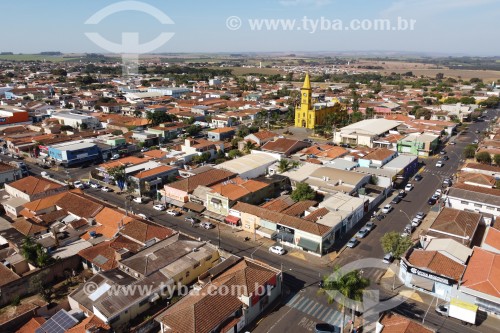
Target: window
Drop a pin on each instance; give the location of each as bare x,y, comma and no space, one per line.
144,301
478,205
208,258
196,265
464,202
187,274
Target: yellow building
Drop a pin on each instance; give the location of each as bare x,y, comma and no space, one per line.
308,115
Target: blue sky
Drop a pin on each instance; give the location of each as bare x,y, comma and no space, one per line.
441,26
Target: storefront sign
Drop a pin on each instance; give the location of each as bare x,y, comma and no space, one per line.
285,229
427,275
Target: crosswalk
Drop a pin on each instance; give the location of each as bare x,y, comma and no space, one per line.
437,172
322,312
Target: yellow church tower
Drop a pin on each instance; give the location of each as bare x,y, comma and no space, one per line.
303,115
308,115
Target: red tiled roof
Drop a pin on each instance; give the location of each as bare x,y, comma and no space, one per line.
437,263
34,185
154,171
291,221
493,238
32,325
483,272
207,178
395,323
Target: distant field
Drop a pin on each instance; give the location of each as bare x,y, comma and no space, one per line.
34,57
430,70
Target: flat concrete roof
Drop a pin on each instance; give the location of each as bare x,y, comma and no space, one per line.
370,126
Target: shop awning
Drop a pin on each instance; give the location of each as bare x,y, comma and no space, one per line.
232,219
213,215
308,244
421,282
194,207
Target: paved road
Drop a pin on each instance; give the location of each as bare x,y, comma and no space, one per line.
305,307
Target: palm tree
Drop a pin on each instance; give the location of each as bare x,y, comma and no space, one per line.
346,289
284,165
249,145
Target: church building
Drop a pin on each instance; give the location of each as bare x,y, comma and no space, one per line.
307,114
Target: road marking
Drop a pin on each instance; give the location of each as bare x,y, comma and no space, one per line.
326,315
313,309
320,315
293,300
320,308
304,304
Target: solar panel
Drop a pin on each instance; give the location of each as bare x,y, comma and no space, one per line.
58,323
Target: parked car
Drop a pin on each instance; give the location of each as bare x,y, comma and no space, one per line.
438,192
407,230
362,233
388,258
141,215
173,212
95,185
115,157
78,184
277,250
418,177
159,207
420,215
443,309
207,225
445,158
475,142
416,222
447,182
408,187
387,208
432,200
192,219
402,194
326,328
369,226
396,200
106,189
442,152
439,164
452,142
138,200
352,242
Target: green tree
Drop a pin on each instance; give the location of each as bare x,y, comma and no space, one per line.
248,147
234,153
470,151
395,243
205,157
496,159
137,113
157,117
119,175
468,100
284,165
84,126
303,192
490,102
345,288
35,253
483,157
356,116
426,113
193,130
